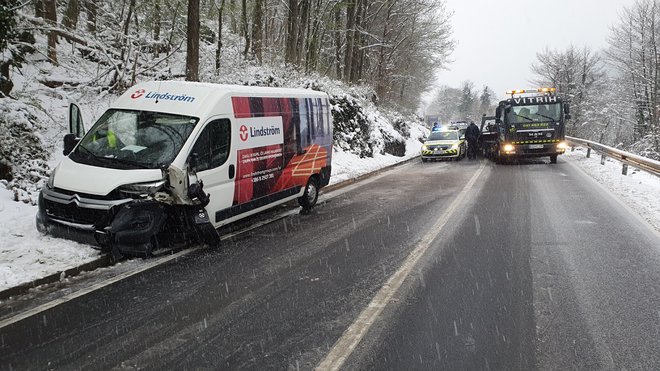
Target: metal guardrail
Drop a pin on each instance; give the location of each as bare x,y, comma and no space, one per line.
642,163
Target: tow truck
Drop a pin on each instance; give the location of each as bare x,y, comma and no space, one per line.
531,123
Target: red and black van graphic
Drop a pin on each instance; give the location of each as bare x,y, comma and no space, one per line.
283,141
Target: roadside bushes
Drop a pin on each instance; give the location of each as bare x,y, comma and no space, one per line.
23,160
351,132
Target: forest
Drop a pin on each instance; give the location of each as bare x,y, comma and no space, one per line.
393,46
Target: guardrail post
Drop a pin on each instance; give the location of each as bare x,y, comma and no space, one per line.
602,159
588,152
572,148
624,171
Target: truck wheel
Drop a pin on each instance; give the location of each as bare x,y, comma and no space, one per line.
424,159
311,195
553,159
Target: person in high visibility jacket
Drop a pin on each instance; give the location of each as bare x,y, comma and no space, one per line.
109,135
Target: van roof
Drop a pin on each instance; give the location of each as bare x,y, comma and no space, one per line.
197,98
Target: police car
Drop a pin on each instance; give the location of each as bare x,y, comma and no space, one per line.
444,144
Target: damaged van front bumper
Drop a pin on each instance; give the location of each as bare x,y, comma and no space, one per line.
132,226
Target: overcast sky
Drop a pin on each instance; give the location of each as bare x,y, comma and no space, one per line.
497,40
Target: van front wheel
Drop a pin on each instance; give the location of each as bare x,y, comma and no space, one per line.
311,195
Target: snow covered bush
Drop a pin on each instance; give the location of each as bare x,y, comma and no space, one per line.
352,132
646,147
23,159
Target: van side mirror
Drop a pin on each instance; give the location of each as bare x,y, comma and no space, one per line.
70,141
567,108
567,117
76,126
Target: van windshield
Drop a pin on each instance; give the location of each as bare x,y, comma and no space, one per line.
125,139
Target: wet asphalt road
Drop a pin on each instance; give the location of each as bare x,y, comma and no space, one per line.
539,269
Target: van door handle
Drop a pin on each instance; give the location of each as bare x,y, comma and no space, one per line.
232,171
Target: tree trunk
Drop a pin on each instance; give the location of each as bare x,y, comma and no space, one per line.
356,60
302,30
51,19
192,53
39,9
70,19
313,40
245,28
91,8
291,33
232,16
219,48
350,38
258,30
381,69
338,42
157,21
175,16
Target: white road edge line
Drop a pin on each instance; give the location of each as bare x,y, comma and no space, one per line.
349,340
109,281
167,258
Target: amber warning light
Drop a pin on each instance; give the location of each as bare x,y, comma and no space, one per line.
532,91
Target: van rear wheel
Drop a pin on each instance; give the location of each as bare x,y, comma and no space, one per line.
311,195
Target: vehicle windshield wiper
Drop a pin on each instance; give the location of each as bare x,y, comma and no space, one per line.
548,117
525,117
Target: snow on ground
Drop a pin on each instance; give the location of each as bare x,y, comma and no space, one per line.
639,190
26,255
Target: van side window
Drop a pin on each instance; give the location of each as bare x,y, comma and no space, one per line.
212,146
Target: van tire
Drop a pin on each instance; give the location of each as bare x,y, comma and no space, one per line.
311,195
553,159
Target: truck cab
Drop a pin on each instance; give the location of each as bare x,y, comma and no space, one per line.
532,123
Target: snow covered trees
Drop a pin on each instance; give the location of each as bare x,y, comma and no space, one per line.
578,76
392,45
634,45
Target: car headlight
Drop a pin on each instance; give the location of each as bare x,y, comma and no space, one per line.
142,189
508,148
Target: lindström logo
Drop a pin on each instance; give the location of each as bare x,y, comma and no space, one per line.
138,93
244,132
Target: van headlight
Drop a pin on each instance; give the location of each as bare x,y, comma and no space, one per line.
424,147
454,146
508,148
51,180
141,189
562,145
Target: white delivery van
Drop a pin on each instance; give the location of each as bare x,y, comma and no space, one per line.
174,159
